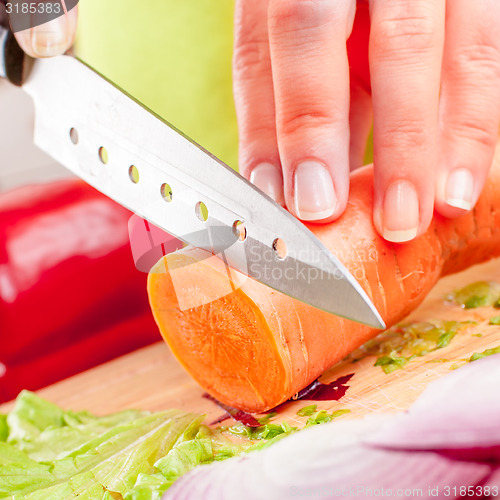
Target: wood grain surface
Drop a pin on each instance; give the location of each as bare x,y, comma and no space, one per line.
151,378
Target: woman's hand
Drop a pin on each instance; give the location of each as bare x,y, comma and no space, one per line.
305,104
52,38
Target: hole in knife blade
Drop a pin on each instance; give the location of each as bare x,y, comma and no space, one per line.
103,155
166,192
133,173
239,230
73,135
279,248
201,211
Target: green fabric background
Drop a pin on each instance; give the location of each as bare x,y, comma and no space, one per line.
172,55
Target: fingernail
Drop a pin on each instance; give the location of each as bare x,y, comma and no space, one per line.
51,38
400,212
267,177
315,197
460,189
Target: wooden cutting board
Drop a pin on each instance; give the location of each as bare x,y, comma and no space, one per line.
152,379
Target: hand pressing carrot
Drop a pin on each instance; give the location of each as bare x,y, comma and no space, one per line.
254,347
305,104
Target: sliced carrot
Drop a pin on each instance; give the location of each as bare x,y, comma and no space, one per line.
253,348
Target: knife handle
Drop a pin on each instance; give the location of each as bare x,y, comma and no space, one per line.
15,65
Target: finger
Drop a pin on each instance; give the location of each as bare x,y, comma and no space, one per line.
311,88
470,103
406,44
254,99
52,38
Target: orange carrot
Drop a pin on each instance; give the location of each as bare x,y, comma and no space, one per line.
254,347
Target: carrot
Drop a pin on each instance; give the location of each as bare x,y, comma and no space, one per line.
254,348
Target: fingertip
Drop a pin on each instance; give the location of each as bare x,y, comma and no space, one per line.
24,40
457,191
403,212
398,219
269,179
316,196
50,39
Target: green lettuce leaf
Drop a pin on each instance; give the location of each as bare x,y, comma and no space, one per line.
49,453
148,487
52,453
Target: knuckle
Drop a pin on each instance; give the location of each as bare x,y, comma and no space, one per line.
299,122
405,136
250,57
479,60
397,35
258,132
475,131
297,15
251,41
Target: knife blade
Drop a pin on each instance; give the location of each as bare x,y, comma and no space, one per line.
139,160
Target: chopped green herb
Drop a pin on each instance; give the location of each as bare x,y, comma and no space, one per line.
268,431
323,417
479,294
445,339
495,320
476,301
307,411
320,417
477,334
399,345
391,363
266,418
339,413
487,352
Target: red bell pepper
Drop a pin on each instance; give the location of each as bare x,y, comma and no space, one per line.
91,350
357,47
66,274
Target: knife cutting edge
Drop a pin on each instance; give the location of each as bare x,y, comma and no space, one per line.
139,160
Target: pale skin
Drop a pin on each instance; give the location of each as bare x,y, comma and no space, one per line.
305,106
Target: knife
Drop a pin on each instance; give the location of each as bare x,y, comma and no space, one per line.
130,154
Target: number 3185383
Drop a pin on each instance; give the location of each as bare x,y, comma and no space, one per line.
34,8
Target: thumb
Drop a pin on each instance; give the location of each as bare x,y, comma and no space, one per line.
52,38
